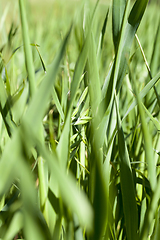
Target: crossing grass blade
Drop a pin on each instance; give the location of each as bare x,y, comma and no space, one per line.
5,109
71,195
15,226
149,72
8,172
148,144
118,62
34,222
41,96
63,145
132,25
57,103
32,116
29,199
44,93
154,120
79,68
151,212
126,34
143,93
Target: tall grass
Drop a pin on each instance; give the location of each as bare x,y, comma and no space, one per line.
79,135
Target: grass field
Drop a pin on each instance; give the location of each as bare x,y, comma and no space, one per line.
79,122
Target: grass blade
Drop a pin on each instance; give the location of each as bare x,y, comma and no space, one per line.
72,196
147,144
27,49
127,185
154,58
151,211
118,8
143,93
15,226
40,99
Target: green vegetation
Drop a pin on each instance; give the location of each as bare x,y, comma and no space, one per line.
79,122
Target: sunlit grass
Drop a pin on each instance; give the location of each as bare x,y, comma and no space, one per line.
79,124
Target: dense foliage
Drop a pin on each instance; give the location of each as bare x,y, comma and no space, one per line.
79,122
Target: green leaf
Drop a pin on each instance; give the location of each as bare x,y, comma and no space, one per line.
143,93
147,143
134,20
82,98
82,120
118,8
127,185
57,103
27,49
137,13
41,96
154,120
155,55
150,213
5,109
71,195
94,80
15,226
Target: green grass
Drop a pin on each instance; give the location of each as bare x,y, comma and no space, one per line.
79,122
